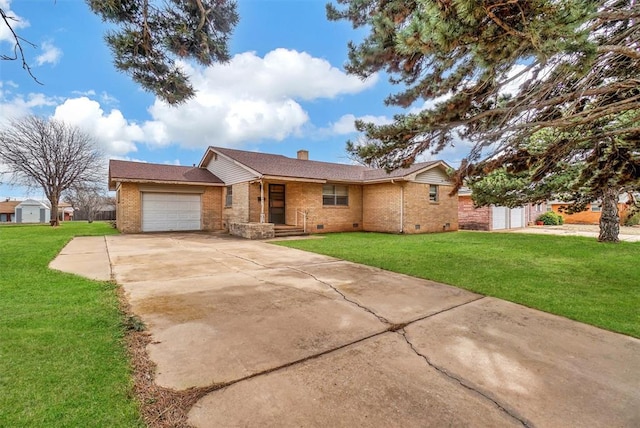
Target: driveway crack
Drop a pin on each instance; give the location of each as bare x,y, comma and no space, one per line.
112,276
509,412
344,296
243,258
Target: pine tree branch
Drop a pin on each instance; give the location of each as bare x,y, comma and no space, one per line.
622,50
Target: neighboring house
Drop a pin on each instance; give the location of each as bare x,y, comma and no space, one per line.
32,211
65,211
591,215
8,211
494,217
233,189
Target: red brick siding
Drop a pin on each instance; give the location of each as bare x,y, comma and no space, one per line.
471,218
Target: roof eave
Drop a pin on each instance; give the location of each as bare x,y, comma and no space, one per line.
114,181
205,158
303,179
385,180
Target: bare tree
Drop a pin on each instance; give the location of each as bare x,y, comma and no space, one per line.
49,154
86,199
18,51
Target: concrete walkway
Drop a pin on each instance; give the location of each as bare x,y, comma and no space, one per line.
85,256
298,339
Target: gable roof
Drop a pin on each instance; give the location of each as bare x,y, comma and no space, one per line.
32,203
140,172
281,166
8,207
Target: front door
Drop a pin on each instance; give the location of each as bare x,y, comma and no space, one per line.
276,204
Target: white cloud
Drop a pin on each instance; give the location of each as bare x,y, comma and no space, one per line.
114,134
89,93
17,22
8,83
513,87
50,55
15,106
346,123
245,101
106,98
250,99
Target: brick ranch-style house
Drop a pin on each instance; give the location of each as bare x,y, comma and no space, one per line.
247,193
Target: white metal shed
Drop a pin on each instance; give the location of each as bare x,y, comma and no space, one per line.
32,211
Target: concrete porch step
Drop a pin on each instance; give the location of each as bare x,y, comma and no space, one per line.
282,230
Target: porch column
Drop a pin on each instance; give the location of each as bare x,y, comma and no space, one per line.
261,202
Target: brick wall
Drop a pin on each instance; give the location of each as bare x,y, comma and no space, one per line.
320,219
128,208
238,212
533,211
423,216
254,203
382,209
211,216
471,218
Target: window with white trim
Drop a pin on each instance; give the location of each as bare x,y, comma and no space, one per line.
335,195
596,208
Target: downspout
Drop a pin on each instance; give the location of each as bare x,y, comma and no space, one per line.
401,208
261,201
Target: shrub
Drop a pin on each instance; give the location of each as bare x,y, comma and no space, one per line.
550,218
632,220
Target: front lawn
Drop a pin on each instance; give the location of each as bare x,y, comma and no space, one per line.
62,356
575,277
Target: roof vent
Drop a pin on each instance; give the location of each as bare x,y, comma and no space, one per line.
303,154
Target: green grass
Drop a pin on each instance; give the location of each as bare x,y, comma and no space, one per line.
575,277
62,357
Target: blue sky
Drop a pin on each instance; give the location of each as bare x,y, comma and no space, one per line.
284,89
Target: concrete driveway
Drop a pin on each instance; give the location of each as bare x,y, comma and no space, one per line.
627,233
299,339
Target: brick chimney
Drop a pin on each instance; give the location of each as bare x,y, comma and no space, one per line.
303,154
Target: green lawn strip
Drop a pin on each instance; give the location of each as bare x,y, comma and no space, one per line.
62,356
574,277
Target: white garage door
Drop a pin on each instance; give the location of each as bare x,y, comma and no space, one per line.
499,216
170,211
517,218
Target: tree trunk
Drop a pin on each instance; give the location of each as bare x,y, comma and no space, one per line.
54,210
609,218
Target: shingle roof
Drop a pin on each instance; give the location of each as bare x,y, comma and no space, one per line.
140,171
8,207
282,166
380,174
